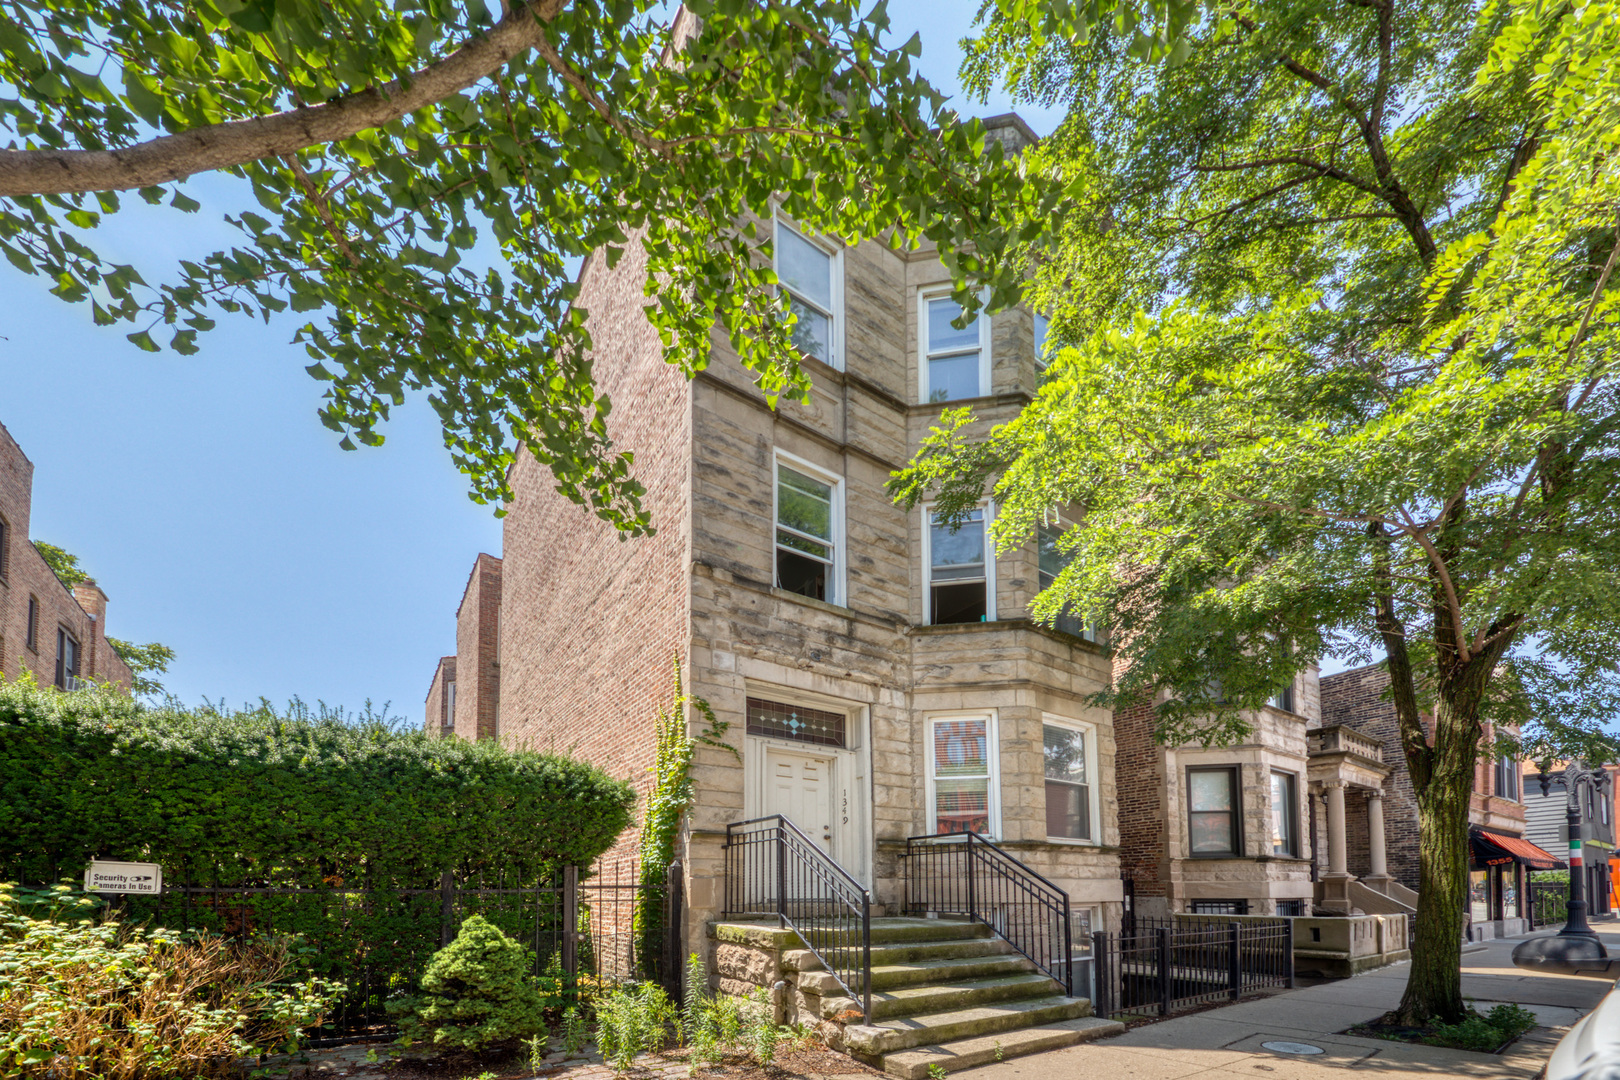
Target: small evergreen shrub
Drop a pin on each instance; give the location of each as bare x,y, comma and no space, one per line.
477,990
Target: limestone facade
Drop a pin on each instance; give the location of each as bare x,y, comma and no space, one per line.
589,622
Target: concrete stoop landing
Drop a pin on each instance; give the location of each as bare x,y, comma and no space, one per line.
945,992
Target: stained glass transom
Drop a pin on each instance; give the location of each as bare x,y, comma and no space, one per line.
781,721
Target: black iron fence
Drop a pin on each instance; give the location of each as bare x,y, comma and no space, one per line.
376,939
1165,966
1549,903
965,874
774,871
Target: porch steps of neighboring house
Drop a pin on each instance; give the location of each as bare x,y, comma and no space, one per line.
948,992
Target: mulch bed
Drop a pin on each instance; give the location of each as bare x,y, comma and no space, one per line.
1397,1032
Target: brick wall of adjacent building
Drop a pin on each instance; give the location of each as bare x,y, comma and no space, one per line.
1357,698
436,709
1139,762
478,652
25,576
591,620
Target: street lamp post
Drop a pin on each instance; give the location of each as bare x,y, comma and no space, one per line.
1576,949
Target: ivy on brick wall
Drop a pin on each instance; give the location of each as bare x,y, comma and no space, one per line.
283,798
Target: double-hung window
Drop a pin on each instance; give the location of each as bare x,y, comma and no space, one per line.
1507,777
1067,760
961,774
1284,814
67,660
1284,699
808,519
811,277
956,361
1212,811
1052,559
960,570
1042,324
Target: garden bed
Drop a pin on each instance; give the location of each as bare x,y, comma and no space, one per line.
1488,1033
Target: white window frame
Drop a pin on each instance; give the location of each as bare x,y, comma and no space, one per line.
1041,363
836,252
1294,830
1058,521
835,577
992,749
983,323
989,508
1093,795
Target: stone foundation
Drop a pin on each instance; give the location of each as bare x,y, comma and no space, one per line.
754,957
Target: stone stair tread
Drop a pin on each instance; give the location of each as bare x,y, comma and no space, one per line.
904,1032
900,994
930,951
976,1050
947,969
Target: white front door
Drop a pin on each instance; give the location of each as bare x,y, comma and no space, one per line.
800,785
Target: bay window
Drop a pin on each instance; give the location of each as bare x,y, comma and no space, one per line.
1067,763
1212,811
960,570
961,774
1284,814
1051,559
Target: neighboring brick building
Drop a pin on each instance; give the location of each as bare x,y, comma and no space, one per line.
1219,829
59,636
1500,854
880,674
464,697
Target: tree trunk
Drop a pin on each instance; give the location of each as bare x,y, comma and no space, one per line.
1434,986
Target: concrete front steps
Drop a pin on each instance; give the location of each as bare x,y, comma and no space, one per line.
949,993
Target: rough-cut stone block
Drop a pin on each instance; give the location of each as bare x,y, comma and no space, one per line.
745,963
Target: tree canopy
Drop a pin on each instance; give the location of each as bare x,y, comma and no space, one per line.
1341,377
425,176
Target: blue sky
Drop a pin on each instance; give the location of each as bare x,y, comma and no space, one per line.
219,515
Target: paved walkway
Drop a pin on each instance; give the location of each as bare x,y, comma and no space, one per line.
1225,1043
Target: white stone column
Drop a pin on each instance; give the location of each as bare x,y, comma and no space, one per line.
1376,867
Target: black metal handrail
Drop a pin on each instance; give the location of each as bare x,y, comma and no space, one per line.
966,874
775,871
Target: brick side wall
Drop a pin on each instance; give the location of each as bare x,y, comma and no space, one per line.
24,575
590,621
1139,762
436,708
478,667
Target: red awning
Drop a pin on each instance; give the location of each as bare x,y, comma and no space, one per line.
1494,849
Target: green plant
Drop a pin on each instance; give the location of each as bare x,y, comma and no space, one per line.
1486,1033
371,1056
765,1040
633,1020
475,991
537,1046
667,802
84,997
998,1050
575,1034
936,1072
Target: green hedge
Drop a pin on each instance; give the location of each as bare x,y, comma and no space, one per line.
282,798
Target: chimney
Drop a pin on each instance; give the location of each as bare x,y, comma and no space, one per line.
93,600
1010,131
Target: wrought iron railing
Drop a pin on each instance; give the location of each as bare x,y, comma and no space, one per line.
1165,966
965,874
775,871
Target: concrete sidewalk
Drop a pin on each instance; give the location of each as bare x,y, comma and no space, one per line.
1224,1043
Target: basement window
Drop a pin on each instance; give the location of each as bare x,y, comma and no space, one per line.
960,570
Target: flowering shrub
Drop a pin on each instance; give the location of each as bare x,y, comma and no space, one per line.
83,998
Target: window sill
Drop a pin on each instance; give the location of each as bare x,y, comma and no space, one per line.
810,601
1069,841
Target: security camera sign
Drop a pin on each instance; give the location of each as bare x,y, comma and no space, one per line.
124,877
